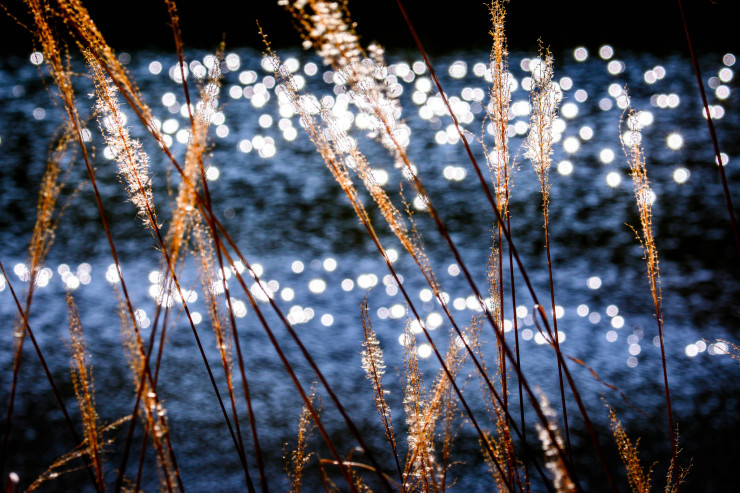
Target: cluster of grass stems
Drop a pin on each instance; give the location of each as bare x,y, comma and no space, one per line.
520,455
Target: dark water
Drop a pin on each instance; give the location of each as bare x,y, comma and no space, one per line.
287,214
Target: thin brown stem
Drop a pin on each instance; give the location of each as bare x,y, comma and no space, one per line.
712,133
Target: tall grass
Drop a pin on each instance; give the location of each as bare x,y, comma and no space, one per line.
419,452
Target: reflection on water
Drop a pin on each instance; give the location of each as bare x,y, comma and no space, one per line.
312,257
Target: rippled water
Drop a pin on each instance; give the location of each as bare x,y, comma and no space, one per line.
294,224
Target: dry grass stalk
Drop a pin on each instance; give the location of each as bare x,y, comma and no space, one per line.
676,474
644,196
501,168
297,459
78,21
554,462
152,413
638,478
320,130
89,39
374,366
84,385
544,100
499,165
423,410
499,93
341,155
54,54
42,238
328,139
327,27
732,349
81,451
52,184
132,161
345,145
211,286
419,470
133,167
632,144
184,209
501,440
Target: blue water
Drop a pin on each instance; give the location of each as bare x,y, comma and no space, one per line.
287,215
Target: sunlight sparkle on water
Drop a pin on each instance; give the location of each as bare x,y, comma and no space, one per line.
565,167
155,67
287,294
617,322
329,264
569,110
245,145
606,156
724,157
674,141
415,327
433,321
613,179
615,67
424,350
397,311
404,340
571,145
606,52
317,286
37,58
43,277
212,173
594,282
718,348
580,54
112,274
22,272
367,281
559,311
235,92
605,104
176,72
681,175
454,173
239,307
722,92
611,336
725,75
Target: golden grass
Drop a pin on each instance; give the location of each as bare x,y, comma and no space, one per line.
433,414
